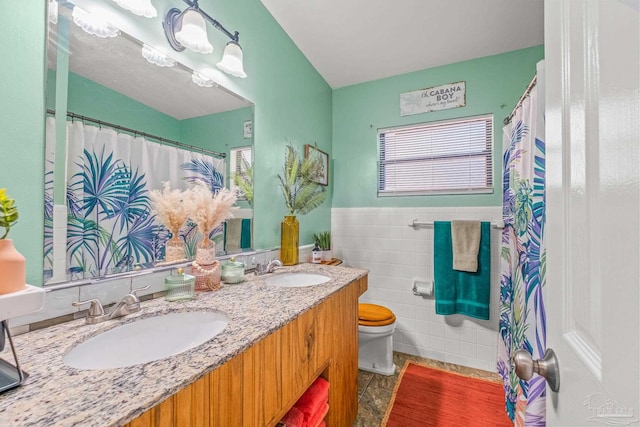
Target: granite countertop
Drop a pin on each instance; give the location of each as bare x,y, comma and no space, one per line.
57,395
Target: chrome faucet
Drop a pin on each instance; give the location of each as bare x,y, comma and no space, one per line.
260,269
130,303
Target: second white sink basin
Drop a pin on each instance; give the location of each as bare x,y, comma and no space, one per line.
146,340
296,280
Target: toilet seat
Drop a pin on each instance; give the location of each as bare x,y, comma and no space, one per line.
374,316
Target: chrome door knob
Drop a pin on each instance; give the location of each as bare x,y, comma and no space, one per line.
547,367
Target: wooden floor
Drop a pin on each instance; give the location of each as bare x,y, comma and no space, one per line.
374,391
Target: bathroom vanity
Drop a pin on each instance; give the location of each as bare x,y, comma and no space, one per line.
277,342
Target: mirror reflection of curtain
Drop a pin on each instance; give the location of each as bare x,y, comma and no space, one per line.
523,258
110,224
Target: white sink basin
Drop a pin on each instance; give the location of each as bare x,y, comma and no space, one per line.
146,340
296,280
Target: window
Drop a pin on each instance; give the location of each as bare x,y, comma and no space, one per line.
448,157
240,165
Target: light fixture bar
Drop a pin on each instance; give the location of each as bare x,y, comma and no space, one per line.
187,29
194,4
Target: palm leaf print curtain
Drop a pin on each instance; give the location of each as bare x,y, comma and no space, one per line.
110,224
523,259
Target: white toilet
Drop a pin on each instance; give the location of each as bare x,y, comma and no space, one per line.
375,335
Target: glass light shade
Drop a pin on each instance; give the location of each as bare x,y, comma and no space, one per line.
201,80
156,57
138,7
92,24
193,33
53,11
232,60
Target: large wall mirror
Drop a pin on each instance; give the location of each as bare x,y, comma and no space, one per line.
120,125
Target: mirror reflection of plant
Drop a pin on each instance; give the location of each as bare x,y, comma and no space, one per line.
208,209
244,180
169,208
301,194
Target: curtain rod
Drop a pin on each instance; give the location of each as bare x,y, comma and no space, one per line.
136,133
519,103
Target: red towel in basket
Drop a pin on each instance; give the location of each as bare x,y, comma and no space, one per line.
318,418
293,418
314,399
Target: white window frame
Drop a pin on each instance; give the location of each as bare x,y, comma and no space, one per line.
236,167
422,157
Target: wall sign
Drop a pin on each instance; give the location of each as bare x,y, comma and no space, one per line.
247,129
452,95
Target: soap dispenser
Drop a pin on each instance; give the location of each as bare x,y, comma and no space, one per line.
316,255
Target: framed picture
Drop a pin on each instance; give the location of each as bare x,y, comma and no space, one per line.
311,151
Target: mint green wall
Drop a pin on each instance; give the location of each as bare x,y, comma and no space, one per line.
292,102
493,85
93,100
220,132
22,125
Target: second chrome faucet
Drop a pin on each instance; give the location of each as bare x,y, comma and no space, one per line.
130,303
260,269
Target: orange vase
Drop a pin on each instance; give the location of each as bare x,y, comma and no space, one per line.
12,268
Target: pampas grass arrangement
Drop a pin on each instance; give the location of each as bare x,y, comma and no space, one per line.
169,207
208,210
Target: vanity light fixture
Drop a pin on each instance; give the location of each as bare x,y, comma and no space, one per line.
188,29
156,57
138,7
201,80
93,24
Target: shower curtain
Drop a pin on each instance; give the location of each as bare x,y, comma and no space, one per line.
523,258
110,224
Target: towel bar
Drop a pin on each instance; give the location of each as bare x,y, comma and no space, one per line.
417,224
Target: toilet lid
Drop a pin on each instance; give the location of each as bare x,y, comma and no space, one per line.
375,315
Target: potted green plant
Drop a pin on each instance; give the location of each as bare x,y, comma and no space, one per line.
301,195
12,263
323,240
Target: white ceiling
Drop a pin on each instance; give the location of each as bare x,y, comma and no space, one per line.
354,41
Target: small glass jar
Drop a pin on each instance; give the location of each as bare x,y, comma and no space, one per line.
233,271
179,286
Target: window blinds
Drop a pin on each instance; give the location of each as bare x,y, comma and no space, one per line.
449,157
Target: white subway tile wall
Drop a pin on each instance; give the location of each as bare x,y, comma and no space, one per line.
380,240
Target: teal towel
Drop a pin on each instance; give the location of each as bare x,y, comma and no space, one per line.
461,292
232,231
245,234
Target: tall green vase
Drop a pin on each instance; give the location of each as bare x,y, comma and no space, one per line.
289,238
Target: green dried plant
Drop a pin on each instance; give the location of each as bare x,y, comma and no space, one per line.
323,240
301,194
244,181
8,212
